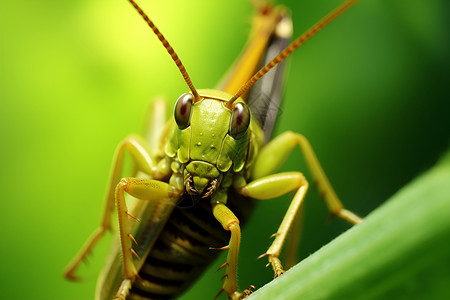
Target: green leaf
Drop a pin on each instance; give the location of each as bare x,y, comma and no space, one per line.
400,251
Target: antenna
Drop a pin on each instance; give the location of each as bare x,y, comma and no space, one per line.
294,45
169,50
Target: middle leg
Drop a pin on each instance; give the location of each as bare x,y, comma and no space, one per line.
230,223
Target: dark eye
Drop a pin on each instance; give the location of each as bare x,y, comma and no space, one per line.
240,119
183,109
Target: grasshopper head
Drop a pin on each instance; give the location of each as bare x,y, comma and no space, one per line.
211,139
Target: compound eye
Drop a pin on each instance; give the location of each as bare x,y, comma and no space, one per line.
240,120
183,109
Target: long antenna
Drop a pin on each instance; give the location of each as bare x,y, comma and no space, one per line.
169,50
294,45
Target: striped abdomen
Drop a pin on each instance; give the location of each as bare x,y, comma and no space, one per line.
182,252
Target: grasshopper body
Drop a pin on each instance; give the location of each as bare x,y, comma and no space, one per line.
181,250
198,175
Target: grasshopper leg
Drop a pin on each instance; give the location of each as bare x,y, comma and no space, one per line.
144,162
143,189
274,155
231,223
268,185
273,186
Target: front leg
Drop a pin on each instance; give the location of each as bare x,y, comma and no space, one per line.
230,223
144,189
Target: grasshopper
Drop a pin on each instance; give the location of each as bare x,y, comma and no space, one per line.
199,175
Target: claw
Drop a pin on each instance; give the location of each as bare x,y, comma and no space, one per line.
244,294
247,292
278,274
277,267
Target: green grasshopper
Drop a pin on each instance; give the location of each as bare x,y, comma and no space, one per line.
198,175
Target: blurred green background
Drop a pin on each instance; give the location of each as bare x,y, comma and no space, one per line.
371,92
